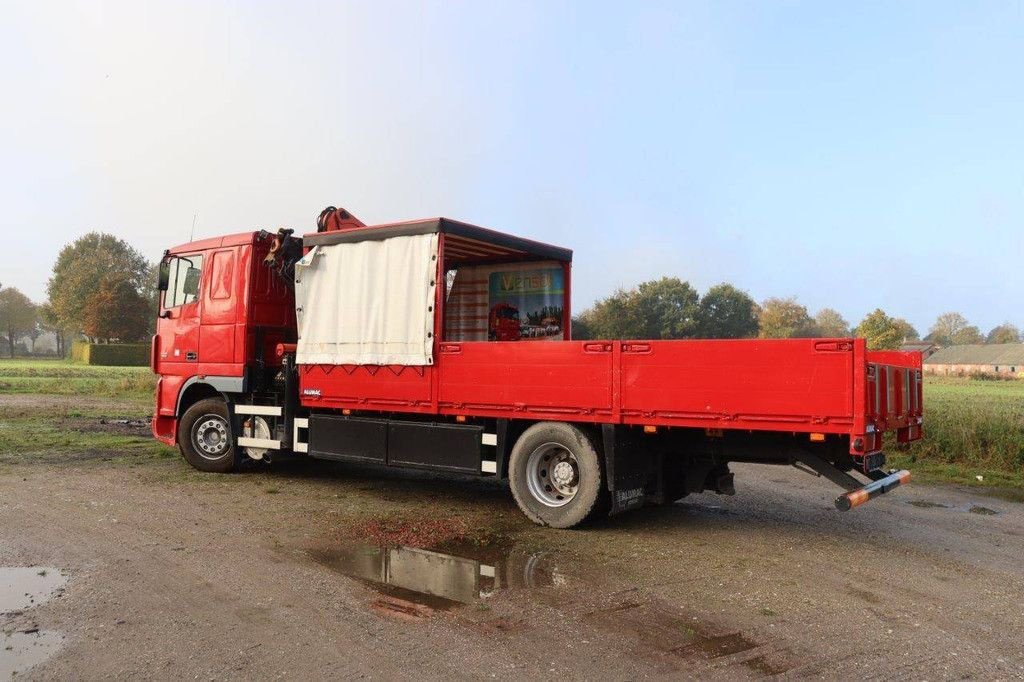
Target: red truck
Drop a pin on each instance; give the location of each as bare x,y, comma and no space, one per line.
356,343
503,324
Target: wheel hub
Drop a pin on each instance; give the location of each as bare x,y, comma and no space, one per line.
562,474
552,475
211,437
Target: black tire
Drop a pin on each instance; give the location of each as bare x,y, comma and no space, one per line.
543,495
205,439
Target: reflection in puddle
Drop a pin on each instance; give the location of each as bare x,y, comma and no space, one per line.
19,651
415,583
22,588
442,580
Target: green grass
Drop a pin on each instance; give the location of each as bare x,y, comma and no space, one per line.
54,431
972,428
56,377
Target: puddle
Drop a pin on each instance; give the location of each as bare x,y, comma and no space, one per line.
441,580
659,627
927,504
971,508
414,584
24,587
764,665
20,651
984,511
118,425
716,646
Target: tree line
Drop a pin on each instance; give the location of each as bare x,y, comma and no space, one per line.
101,288
669,308
104,289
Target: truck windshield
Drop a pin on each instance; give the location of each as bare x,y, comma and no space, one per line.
183,282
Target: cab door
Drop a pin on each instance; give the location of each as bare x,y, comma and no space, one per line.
177,351
220,312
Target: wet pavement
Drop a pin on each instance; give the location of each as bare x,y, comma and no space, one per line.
22,644
461,580
337,572
20,651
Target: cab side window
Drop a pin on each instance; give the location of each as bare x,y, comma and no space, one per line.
183,280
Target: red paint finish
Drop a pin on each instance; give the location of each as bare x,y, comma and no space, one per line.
368,387
792,385
543,380
760,384
832,386
239,301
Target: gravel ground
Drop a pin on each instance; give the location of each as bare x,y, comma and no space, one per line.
171,573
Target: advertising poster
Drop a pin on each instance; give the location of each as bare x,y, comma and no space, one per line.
515,302
525,304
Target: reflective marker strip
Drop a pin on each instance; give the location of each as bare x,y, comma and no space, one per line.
246,442
489,467
268,410
297,445
855,498
489,439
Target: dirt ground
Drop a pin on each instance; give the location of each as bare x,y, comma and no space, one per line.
277,572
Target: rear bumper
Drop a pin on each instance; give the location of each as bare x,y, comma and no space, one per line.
872,490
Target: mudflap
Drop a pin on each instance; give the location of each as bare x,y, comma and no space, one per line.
631,470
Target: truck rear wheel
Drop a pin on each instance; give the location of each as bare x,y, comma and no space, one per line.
556,476
204,437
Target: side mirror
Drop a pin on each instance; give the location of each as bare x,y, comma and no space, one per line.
190,287
164,275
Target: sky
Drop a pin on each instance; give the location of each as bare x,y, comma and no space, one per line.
854,155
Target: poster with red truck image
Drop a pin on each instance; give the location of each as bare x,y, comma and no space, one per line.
525,304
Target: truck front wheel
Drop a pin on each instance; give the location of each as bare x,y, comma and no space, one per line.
555,475
204,436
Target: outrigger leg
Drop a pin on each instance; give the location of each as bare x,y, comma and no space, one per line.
859,493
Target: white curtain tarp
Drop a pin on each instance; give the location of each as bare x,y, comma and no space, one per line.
367,303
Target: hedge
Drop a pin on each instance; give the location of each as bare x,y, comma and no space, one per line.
116,354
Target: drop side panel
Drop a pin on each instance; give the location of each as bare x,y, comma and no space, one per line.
792,384
538,379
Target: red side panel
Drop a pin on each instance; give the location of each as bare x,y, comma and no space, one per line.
544,380
797,384
367,387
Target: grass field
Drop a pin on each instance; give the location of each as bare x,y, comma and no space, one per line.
56,377
972,428
52,410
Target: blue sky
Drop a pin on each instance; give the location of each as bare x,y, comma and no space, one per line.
854,155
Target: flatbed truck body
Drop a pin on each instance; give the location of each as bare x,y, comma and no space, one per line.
377,350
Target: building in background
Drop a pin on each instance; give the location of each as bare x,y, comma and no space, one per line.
926,348
1002,358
